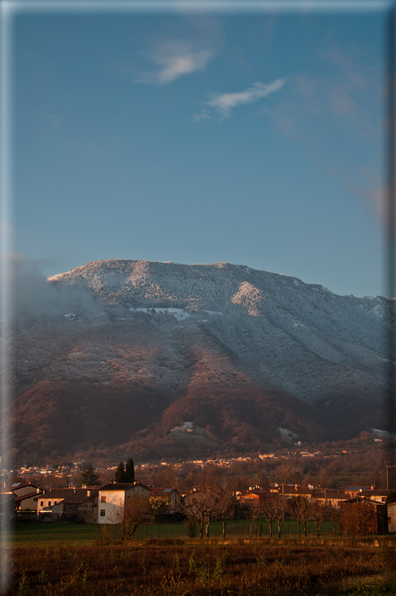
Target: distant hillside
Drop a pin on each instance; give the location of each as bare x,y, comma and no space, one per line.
134,349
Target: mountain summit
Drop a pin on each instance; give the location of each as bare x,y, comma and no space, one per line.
163,359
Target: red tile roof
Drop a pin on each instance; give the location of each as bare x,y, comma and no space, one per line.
18,486
70,495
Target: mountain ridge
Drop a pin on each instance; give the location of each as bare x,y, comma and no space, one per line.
238,352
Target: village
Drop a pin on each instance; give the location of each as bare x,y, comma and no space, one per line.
114,502
91,504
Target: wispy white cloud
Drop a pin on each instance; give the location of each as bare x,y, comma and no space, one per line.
225,102
202,115
175,59
177,66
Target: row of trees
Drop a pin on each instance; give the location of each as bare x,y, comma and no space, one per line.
206,506
351,518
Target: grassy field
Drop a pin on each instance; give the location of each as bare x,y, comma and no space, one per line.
38,534
85,534
180,568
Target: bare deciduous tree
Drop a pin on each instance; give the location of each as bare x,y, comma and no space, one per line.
201,506
333,515
279,512
317,512
135,511
297,508
225,507
255,510
271,510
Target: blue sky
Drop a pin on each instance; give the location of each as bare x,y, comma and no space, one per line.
253,139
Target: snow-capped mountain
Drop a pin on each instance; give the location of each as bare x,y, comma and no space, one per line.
162,358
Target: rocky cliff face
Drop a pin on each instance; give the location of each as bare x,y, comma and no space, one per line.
143,348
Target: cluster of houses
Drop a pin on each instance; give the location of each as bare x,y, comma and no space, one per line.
86,504
106,504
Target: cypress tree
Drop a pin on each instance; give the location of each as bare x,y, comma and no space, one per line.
130,471
120,475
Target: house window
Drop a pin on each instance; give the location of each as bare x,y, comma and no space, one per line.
102,513
34,498
103,499
41,503
49,503
55,502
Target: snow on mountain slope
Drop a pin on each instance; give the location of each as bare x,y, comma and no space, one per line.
272,321
238,352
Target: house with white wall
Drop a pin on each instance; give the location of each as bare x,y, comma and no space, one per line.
113,498
28,502
391,507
